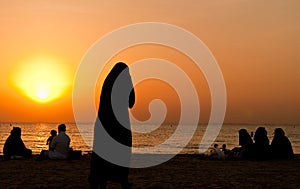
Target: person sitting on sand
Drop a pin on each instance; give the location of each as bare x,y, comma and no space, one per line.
219,154
225,150
60,144
214,152
14,146
246,143
262,149
281,146
49,140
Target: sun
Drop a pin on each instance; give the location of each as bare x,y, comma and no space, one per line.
42,79
42,94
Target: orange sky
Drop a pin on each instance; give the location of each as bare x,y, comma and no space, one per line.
255,43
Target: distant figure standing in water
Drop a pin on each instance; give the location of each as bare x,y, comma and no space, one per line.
49,140
14,146
281,145
113,123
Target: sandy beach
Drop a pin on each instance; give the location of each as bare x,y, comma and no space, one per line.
183,171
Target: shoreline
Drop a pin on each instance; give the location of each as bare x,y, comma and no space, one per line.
35,136
86,155
182,171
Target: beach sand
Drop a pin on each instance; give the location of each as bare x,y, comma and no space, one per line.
183,171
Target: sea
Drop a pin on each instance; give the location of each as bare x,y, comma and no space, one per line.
147,138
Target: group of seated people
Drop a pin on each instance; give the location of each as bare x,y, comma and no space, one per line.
280,147
259,149
14,148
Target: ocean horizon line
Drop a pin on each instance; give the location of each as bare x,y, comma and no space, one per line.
201,123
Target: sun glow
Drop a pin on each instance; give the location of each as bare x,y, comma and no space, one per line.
42,93
42,79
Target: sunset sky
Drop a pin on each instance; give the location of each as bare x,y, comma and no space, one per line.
256,44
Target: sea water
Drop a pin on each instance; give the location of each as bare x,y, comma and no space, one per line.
161,139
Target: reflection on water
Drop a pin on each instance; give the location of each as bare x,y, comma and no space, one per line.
35,135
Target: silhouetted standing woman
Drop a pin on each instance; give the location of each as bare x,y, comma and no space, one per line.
112,130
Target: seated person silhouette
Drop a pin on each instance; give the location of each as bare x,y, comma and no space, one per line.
281,146
14,148
60,144
246,143
45,153
225,150
49,140
219,154
262,149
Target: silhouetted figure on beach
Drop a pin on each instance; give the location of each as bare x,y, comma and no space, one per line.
14,146
219,153
49,140
281,145
225,150
59,147
246,143
262,149
117,96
